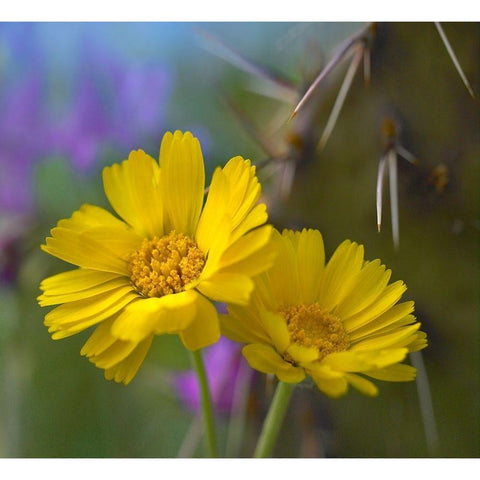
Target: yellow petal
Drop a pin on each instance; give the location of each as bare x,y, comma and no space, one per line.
88,216
399,372
227,287
310,264
119,241
379,342
204,330
394,314
291,375
167,314
68,245
301,354
333,387
234,191
346,362
361,384
407,320
339,272
283,276
251,254
113,355
72,311
276,328
128,368
383,358
244,188
389,297
367,285
183,181
47,299
242,328
85,242
99,340
419,343
265,359
73,317
217,248
213,211
133,190
263,296
74,282
256,217
321,369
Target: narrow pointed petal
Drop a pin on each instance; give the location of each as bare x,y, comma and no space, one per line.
362,384
345,264
94,239
367,285
266,360
182,181
386,300
390,340
242,328
394,373
333,387
126,370
276,328
71,318
391,316
311,264
133,189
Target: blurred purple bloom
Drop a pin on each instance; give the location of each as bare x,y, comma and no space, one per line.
115,105
22,140
49,107
222,364
105,102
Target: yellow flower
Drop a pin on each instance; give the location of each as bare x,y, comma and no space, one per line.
155,271
330,322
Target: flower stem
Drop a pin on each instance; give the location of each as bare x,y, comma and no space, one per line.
273,420
206,401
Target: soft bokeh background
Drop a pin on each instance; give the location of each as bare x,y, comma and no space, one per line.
77,97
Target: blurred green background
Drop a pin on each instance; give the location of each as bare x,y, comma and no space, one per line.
54,403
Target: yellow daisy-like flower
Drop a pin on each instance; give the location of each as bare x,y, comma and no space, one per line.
155,270
330,322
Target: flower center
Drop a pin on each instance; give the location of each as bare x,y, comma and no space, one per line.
313,326
163,266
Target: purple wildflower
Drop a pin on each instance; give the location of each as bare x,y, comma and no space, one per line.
222,364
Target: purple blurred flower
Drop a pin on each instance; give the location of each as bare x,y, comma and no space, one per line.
111,103
116,104
22,140
222,364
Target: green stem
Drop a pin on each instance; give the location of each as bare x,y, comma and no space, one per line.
206,401
273,420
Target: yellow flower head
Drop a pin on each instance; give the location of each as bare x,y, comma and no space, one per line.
155,270
330,322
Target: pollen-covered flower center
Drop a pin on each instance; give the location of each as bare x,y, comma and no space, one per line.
163,266
313,326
